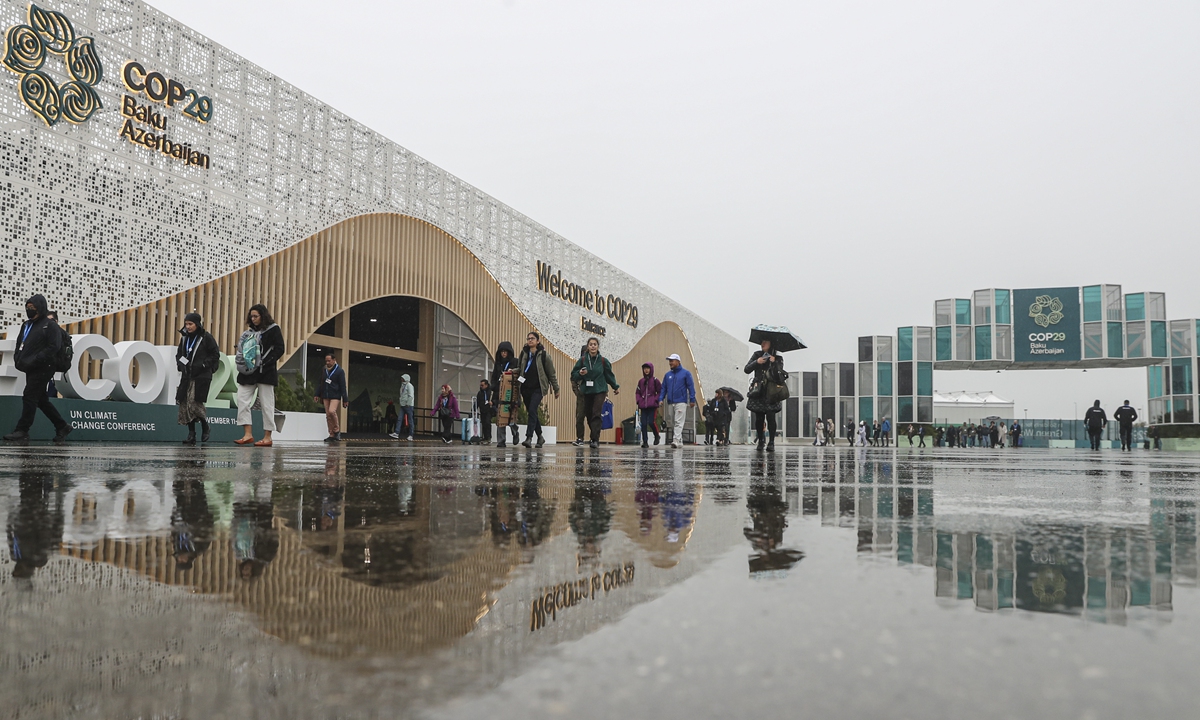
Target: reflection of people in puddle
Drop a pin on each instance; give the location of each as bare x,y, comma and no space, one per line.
768,518
35,527
255,539
589,514
518,510
191,522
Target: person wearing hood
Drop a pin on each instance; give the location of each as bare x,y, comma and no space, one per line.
408,398
485,401
196,358
259,350
39,341
537,378
333,395
648,389
505,361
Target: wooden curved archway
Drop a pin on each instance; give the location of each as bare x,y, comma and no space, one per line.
361,259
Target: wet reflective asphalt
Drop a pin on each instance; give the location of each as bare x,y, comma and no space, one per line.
451,582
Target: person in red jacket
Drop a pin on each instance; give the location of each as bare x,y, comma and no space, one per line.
647,401
446,410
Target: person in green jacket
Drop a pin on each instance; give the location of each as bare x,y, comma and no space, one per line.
595,375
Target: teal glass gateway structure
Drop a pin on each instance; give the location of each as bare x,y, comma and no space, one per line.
1094,326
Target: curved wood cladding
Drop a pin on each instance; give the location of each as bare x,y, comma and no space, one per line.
361,259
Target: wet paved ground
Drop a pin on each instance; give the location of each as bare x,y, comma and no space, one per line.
447,582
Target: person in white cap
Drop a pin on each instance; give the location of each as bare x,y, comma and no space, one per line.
679,393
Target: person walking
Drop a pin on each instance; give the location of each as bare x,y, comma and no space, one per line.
332,394
406,417
767,365
595,378
1095,420
1016,431
710,429
886,429
993,434
911,431
819,433
679,393
921,435
581,405
445,409
877,434
406,420
39,343
830,432
485,401
196,358
722,416
1125,416
1003,433
258,352
537,378
862,433
505,361
648,388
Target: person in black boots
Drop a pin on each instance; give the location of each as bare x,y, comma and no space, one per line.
505,361
764,364
39,343
537,378
196,358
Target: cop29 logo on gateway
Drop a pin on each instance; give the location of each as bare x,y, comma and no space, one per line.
28,47
1049,331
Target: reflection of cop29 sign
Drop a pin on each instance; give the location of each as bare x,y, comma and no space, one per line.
47,36
1046,325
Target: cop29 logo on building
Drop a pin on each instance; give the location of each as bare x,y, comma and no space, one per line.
46,37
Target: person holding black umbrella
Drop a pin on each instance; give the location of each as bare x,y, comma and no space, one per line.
765,364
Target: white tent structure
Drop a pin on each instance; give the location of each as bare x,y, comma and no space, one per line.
965,406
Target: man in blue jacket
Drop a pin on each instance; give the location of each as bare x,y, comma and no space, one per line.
332,394
678,393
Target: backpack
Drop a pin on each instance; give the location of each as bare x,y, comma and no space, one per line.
250,350
64,359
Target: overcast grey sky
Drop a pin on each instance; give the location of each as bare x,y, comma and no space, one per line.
834,167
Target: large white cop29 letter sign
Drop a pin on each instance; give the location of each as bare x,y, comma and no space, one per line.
157,374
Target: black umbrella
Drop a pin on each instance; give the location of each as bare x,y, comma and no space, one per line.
737,396
782,339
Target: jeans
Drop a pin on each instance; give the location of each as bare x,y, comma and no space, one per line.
1126,437
405,420
1094,436
533,399
34,398
649,423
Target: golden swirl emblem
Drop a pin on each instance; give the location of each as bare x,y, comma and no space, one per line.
78,101
51,32
83,63
25,52
41,95
53,28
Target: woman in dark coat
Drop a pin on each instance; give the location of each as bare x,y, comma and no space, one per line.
196,358
764,364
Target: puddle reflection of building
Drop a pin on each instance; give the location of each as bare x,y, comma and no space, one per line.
1098,571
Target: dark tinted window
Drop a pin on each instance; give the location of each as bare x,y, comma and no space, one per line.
864,349
810,384
846,381
390,321
904,378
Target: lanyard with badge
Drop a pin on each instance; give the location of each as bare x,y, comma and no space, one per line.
188,347
329,374
528,365
28,329
592,368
